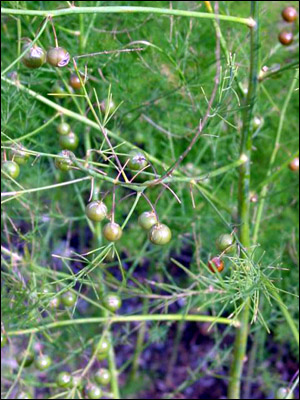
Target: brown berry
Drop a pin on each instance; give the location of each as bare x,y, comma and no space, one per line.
294,164
216,264
289,14
285,38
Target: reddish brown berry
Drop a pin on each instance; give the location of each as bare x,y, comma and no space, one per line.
285,38
294,164
289,14
216,264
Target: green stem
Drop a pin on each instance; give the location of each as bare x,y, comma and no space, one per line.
126,319
126,9
272,74
97,239
139,344
241,339
27,49
119,139
265,188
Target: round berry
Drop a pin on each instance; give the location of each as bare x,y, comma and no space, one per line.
43,362
283,393
103,376
94,392
111,106
110,256
216,264
96,211
160,234
294,164
69,141
20,156
226,243
147,219
35,56
101,349
77,381
285,38
29,358
75,82
63,128
64,163
64,379
58,57
54,302
11,168
59,89
68,298
24,395
137,160
253,197
289,14
112,231
112,302
3,340
257,122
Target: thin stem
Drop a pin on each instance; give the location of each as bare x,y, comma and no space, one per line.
119,139
97,240
27,49
125,9
125,319
48,187
139,344
206,117
265,188
241,339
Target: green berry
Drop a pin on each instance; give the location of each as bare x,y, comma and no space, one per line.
68,298
58,57
96,211
24,395
20,156
284,393
63,128
94,392
69,141
111,106
147,219
226,243
160,234
54,302
112,231
35,56
29,358
110,256
103,376
43,362
64,163
101,349
77,381
11,168
64,379
59,90
257,122
137,160
112,302
3,340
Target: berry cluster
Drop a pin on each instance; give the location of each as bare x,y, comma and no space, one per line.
226,245
286,37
